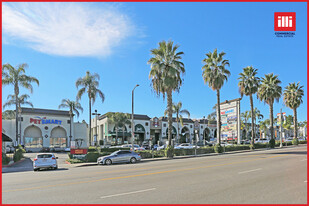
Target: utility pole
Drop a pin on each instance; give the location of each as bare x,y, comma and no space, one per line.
132,117
96,125
281,120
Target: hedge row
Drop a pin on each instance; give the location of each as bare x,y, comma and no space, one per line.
5,159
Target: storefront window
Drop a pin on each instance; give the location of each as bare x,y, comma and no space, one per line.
33,142
58,142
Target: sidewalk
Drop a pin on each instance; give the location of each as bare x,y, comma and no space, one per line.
189,156
22,165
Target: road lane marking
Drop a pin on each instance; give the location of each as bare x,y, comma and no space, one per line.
249,171
140,175
128,193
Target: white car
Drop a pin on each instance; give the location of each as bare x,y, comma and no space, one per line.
136,147
224,144
185,146
45,161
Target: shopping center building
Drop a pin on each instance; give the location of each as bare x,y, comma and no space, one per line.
151,129
45,128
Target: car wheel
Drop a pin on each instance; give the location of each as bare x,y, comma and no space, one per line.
133,160
35,170
108,162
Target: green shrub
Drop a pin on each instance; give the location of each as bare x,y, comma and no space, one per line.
260,145
169,151
18,155
145,154
101,142
302,142
295,141
92,156
218,148
74,161
272,143
92,149
5,159
113,149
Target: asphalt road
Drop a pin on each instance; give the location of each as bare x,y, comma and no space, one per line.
264,177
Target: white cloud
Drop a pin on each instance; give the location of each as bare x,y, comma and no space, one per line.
66,29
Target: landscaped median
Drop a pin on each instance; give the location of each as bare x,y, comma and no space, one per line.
17,156
94,153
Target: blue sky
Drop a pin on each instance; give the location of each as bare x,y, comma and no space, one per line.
61,41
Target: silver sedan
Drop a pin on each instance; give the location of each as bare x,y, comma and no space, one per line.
120,156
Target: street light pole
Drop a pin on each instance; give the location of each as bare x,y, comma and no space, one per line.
281,119
96,125
132,117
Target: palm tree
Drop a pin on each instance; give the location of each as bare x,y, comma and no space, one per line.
165,75
248,85
89,84
263,127
215,74
8,114
22,100
178,111
123,120
17,78
269,91
246,116
257,114
292,97
119,119
74,106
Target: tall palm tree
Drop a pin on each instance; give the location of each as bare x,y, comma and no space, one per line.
246,116
74,106
248,85
178,111
292,97
215,74
269,91
89,84
263,127
21,100
165,75
17,78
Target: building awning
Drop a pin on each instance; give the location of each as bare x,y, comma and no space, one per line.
6,138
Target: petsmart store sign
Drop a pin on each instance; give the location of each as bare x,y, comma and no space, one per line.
39,120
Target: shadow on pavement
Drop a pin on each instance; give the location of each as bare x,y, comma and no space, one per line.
289,152
51,170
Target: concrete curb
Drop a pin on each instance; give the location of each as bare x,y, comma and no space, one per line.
189,156
23,159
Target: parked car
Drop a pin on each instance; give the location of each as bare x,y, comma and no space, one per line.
9,149
146,146
161,147
224,144
45,161
67,149
120,156
186,146
136,147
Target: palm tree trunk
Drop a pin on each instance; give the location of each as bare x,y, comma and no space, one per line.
246,128
16,114
271,117
116,141
252,121
295,122
170,115
177,130
90,121
218,118
122,135
71,118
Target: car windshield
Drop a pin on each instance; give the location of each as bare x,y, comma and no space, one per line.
44,156
114,153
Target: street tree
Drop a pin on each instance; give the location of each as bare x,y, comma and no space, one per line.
215,74
292,98
89,84
74,107
16,76
269,91
248,85
166,77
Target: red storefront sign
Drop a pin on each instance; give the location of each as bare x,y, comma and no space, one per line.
79,151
